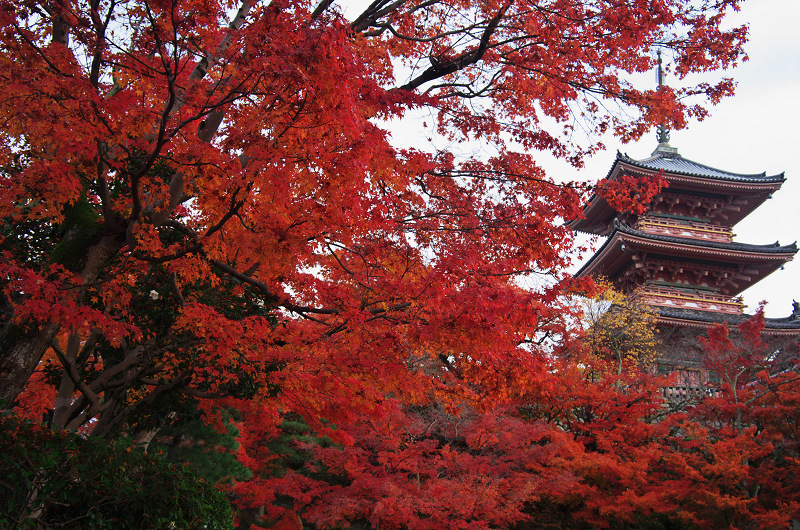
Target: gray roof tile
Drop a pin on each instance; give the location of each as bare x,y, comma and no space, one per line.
676,164
770,248
711,317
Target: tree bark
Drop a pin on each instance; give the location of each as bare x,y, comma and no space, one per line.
23,344
21,349
67,386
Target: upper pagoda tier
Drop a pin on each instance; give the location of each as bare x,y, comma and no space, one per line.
701,201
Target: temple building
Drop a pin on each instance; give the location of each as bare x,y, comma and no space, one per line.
679,257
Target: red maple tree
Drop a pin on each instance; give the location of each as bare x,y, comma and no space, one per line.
211,212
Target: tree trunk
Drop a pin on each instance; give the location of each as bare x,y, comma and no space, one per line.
22,345
67,386
21,349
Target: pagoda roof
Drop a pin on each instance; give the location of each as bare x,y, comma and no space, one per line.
683,176
770,248
698,318
668,160
617,253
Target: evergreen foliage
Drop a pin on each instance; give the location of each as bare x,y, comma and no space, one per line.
59,479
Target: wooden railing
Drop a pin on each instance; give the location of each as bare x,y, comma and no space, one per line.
688,392
691,229
688,299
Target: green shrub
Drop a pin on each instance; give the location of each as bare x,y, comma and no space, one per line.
56,479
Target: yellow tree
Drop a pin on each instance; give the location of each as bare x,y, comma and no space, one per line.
620,328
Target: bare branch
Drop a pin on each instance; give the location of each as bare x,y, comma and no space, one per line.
441,69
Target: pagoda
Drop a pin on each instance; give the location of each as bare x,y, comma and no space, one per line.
679,256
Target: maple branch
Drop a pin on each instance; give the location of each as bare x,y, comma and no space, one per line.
118,418
233,210
102,384
284,303
100,180
100,27
267,292
131,357
72,372
168,257
469,91
336,257
321,7
441,69
375,10
177,289
192,391
60,29
198,245
492,174
771,388
387,26
176,101
23,35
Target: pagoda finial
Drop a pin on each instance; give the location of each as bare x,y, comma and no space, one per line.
663,129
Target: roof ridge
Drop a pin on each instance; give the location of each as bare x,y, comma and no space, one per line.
678,165
698,315
762,174
671,162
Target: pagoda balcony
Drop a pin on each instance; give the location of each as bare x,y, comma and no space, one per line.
689,299
688,392
689,229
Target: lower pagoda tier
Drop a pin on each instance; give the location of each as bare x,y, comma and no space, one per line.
680,334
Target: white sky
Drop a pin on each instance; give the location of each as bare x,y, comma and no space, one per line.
756,130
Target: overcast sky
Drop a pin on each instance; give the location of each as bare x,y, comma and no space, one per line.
756,130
